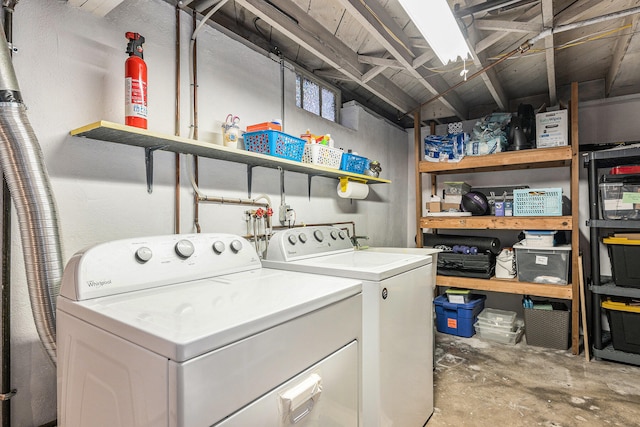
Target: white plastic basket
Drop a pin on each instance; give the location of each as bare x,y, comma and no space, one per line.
322,155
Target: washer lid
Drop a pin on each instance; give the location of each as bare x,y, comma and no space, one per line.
189,319
363,265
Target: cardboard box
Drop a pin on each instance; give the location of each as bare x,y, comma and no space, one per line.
446,207
433,206
552,129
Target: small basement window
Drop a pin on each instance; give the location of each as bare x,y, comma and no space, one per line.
316,97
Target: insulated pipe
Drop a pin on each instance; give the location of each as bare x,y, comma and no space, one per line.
5,299
22,162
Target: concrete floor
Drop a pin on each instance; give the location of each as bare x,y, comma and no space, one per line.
481,383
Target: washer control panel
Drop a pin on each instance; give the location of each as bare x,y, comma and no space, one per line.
141,263
305,242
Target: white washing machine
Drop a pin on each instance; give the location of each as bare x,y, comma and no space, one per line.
397,334
190,330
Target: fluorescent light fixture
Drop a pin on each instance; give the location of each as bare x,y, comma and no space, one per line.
438,26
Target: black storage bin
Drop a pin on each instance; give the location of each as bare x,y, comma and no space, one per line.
625,260
624,322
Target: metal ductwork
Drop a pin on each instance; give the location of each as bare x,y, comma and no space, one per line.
23,165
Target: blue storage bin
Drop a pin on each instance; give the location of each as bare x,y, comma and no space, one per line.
353,163
458,319
275,143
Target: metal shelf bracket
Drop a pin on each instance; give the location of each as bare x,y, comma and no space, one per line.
148,160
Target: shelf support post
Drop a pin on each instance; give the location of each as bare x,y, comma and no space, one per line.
309,186
148,160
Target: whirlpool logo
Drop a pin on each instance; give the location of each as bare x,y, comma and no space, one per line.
98,283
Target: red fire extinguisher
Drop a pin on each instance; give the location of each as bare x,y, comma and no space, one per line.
135,94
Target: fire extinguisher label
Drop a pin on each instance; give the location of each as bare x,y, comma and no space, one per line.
135,98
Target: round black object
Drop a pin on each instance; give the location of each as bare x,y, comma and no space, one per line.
475,202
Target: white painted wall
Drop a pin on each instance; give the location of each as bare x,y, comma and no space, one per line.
70,67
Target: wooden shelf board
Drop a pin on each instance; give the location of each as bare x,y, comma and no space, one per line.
509,160
499,222
511,286
129,135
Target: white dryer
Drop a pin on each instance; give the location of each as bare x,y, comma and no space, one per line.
190,330
397,340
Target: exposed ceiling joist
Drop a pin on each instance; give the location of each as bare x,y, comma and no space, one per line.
423,59
530,16
289,19
622,44
509,26
489,77
384,29
384,62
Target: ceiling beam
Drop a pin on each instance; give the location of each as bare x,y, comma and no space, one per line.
384,62
374,71
489,77
549,50
620,50
384,29
289,19
508,26
530,16
576,11
423,59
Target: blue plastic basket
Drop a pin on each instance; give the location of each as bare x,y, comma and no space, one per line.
353,163
274,143
537,202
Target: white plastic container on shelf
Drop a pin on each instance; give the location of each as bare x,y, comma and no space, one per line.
540,238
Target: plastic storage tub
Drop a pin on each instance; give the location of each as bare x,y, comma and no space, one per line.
498,334
458,319
540,238
625,260
620,196
498,318
543,264
624,322
458,296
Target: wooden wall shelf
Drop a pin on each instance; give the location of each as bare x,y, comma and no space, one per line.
151,141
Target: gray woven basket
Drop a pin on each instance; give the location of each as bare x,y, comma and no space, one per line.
547,328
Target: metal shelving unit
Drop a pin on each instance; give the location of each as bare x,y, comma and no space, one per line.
516,160
604,285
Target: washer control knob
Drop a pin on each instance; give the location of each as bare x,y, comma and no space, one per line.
342,234
236,245
143,254
218,247
318,235
184,249
302,237
334,234
292,239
